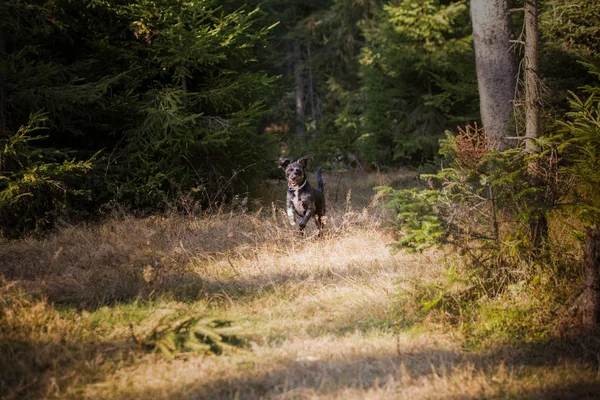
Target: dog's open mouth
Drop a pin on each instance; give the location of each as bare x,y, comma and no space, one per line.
294,182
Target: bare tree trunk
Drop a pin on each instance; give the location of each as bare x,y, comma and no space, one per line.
3,124
496,66
532,83
539,221
311,89
590,299
300,117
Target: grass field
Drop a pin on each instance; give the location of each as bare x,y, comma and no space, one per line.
331,317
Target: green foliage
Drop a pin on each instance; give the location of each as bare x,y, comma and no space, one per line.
182,98
569,34
37,185
571,27
171,93
200,125
482,200
484,203
330,41
391,77
344,126
194,334
490,305
506,321
388,78
581,145
417,217
419,78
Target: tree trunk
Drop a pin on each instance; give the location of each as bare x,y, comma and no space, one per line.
299,87
532,83
311,89
3,123
539,221
496,66
591,295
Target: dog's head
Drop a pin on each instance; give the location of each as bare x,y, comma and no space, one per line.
294,170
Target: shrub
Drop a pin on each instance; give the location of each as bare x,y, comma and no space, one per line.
37,185
581,145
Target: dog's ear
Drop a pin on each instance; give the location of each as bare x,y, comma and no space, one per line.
304,160
284,162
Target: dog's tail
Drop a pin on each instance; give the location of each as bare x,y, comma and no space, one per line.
320,184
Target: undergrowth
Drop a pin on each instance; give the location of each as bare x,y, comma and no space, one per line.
520,263
238,304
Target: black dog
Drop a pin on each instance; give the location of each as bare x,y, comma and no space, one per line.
302,199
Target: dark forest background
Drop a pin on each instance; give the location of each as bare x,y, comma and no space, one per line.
144,103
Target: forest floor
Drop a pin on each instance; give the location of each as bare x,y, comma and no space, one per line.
331,317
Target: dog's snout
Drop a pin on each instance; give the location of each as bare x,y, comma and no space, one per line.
295,174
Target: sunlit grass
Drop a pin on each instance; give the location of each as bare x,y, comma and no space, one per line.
336,317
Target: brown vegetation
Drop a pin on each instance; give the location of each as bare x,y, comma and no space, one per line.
327,318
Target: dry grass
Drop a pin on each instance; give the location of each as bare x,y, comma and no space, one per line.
327,316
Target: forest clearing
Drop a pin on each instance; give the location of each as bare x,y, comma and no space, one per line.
336,317
159,238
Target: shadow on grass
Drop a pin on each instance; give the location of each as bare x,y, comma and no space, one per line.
44,370
32,370
36,373
573,391
559,368
126,286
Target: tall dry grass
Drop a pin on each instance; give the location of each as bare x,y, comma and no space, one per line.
124,258
329,317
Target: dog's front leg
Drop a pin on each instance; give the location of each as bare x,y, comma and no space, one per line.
290,212
304,220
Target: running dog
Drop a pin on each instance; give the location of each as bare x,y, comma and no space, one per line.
302,200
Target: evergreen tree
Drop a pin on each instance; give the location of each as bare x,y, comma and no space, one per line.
171,93
418,72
